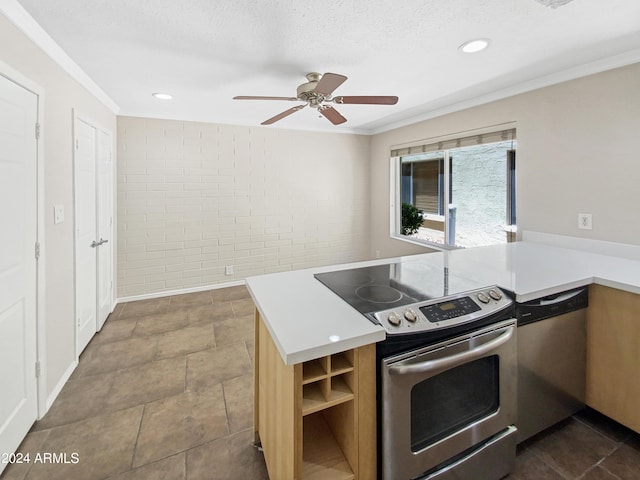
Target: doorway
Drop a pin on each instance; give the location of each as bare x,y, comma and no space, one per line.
93,172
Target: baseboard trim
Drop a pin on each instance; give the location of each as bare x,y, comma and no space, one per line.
181,291
58,388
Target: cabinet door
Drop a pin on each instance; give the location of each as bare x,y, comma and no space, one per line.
613,354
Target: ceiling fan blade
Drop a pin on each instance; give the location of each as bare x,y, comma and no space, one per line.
373,100
329,82
280,116
332,115
245,97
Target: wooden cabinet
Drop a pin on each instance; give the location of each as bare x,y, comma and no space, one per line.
613,354
317,419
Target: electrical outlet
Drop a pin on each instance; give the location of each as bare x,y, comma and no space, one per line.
585,221
228,270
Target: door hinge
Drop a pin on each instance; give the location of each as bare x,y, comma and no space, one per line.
37,250
37,369
37,131
76,144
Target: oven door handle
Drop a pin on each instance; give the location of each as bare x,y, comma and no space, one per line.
453,360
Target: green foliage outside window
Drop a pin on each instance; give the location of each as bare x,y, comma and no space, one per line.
411,219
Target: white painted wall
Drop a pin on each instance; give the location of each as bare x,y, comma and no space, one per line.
194,198
578,147
62,94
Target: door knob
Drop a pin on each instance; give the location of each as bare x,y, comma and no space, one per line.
102,241
94,244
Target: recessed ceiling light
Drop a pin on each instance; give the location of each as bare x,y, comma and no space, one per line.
162,96
473,46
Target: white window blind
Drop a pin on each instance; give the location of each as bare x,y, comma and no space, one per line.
464,141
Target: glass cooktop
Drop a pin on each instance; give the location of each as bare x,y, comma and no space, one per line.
381,287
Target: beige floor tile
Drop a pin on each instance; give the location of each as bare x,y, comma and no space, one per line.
170,468
238,396
161,323
572,448
141,308
228,294
210,367
31,445
230,458
625,461
104,446
243,307
80,398
186,340
117,310
599,473
113,331
198,298
146,383
117,355
234,330
531,467
177,423
209,313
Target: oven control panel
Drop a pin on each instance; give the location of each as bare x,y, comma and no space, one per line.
443,312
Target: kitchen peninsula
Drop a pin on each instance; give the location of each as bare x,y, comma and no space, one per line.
315,387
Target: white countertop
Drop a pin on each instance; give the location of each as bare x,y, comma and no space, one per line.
307,320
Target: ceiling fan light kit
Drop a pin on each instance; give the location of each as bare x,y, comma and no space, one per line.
316,92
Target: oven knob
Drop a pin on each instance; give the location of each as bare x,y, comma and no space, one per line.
483,298
495,294
394,319
410,315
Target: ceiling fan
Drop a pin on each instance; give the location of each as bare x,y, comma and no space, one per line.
317,93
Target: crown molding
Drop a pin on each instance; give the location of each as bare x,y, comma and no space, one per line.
17,15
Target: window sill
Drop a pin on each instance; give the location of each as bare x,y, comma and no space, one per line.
433,246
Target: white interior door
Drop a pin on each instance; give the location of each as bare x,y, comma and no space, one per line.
18,217
86,232
105,222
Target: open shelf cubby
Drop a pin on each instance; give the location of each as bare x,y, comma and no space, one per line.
327,381
322,457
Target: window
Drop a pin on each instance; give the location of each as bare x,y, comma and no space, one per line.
456,192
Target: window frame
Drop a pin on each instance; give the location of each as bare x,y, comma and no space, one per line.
395,178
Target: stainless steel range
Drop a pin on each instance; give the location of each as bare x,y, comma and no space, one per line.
447,371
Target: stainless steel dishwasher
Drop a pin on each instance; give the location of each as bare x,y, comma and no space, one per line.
551,360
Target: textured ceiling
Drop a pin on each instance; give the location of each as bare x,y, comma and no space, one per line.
204,52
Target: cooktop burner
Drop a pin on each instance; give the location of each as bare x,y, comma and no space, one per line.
378,294
370,289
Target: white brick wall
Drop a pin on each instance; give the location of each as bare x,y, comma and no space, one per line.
196,197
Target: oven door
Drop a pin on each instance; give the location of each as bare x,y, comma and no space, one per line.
441,401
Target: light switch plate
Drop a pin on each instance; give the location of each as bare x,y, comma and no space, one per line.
58,213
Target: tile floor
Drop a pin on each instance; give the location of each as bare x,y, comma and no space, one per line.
165,392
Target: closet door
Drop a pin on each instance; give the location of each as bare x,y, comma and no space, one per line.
86,233
93,167
105,226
